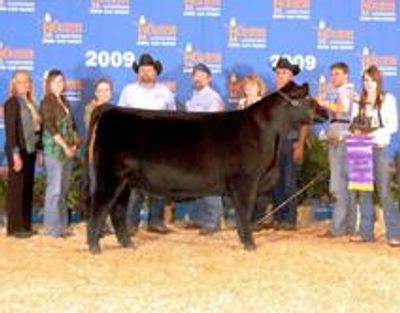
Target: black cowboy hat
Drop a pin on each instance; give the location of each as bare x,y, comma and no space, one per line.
285,63
146,60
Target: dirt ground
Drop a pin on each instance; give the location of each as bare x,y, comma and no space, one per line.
184,272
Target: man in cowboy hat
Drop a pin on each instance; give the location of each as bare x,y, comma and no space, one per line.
147,93
291,154
208,210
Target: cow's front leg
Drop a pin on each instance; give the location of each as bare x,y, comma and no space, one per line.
243,196
101,203
118,219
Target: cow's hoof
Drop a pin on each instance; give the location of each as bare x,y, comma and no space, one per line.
250,246
94,249
128,245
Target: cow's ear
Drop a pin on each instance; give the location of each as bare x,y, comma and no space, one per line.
306,87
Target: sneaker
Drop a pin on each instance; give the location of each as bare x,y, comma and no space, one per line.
395,243
158,228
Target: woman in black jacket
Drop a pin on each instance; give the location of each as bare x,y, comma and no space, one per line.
22,126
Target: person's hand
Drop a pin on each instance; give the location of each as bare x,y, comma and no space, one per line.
334,140
322,102
39,159
298,153
70,151
77,140
17,162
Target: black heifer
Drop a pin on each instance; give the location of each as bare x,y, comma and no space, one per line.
180,155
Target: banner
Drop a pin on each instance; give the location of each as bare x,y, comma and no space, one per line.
88,39
360,163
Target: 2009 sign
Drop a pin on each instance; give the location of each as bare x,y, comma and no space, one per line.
109,59
305,62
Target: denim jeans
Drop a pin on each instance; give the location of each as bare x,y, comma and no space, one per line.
286,185
55,207
204,212
135,204
391,213
367,212
210,211
344,218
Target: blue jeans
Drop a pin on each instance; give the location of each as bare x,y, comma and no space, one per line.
135,204
367,212
286,186
204,212
210,211
391,213
344,218
55,207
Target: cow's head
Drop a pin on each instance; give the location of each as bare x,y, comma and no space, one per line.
302,107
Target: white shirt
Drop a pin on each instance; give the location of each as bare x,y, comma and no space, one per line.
389,116
345,95
205,100
136,96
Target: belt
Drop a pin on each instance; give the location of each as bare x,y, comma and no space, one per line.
339,120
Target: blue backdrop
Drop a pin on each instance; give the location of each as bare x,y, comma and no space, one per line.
92,38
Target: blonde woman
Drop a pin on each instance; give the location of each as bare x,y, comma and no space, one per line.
254,89
22,126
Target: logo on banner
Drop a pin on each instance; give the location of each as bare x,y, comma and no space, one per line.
191,57
334,39
241,36
202,8
73,89
291,9
378,10
25,6
234,88
56,32
386,63
16,58
150,34
110,7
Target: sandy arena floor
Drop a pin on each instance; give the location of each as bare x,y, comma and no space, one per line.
183,272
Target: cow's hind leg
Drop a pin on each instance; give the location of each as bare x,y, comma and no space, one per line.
102,201
243,195
118,219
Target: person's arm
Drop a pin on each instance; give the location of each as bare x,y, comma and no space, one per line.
171,104
122,102
335,107
342,104
11,110
217,104
77,139
298,148
389,115
49,122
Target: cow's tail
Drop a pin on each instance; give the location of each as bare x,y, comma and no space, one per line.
89,181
